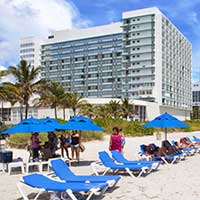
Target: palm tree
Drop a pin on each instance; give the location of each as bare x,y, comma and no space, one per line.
51,94
114,108
3,91
102,111
65,103
76,102
87,109
13,95
26,82
127,109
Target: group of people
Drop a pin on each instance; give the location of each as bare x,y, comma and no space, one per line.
166,148
117,140
49,148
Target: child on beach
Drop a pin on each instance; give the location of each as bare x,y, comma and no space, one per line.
115,140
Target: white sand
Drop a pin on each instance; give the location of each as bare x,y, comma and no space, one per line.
178,181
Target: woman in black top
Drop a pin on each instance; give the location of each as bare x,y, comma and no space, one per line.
75,144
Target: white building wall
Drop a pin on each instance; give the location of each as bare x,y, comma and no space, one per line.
30,50
77,34
48,112
181,114
157,90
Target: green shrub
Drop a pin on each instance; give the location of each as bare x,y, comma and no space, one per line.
21,140
130,128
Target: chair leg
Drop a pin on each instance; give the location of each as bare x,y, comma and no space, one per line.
27,168
165,161
19,185
38,194
143,171
106,171
22,168
40,167
93,165
96,191
130,173
9,170
71,195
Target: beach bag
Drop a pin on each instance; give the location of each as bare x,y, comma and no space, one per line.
82,147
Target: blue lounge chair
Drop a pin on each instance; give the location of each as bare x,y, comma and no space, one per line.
187,151
63,172
196,139
107,161
44,183
196,149
166,159
121,159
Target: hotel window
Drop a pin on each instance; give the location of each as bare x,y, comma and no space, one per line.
127,21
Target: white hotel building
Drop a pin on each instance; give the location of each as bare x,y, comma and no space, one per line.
143,57
30,50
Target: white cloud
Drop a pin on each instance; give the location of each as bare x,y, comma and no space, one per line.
22,18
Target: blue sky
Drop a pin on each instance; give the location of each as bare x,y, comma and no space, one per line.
22,18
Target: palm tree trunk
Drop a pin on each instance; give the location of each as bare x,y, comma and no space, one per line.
64,113
2,112
74,111
26,111
55,110
21,112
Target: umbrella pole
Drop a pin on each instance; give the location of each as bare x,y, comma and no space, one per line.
165,133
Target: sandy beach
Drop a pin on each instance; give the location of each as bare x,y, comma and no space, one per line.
178,181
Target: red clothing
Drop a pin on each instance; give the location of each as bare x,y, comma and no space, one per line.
116,142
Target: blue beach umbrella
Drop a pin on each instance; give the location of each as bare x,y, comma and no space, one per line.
30,125
52,122
81,123
165,121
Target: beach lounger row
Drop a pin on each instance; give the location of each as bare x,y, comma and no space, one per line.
44,183
118,163
174,158
66,182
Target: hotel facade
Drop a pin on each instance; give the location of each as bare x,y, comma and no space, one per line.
143,57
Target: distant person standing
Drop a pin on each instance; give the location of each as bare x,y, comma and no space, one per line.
123,138
53,142
64,145
75,145
35,146
115,140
